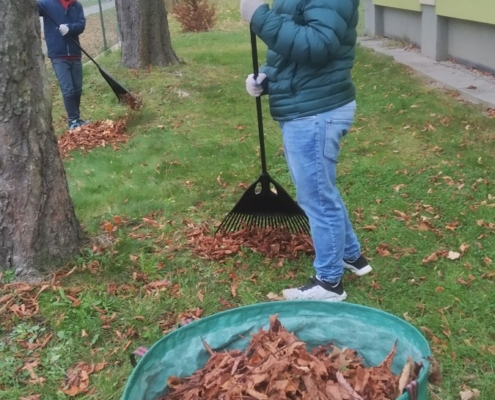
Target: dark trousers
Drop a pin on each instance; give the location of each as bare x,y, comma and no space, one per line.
70,78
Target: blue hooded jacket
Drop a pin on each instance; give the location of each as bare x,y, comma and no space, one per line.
62,46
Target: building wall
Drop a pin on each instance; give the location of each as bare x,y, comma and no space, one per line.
473,10
472,43
402,24
443,29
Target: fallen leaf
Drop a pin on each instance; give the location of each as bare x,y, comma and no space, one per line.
470,394
273,296
431,258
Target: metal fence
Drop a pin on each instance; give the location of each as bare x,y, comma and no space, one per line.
102,30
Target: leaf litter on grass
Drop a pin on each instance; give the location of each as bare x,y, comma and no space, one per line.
92,135
277,365
273,242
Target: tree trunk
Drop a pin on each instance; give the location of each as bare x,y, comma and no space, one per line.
38,227
145,36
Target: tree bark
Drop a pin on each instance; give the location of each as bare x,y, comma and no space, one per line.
145,35
39,230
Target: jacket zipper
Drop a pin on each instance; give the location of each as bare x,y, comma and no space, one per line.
68,51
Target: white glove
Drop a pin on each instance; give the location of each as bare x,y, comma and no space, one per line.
64,29
254,87
248,7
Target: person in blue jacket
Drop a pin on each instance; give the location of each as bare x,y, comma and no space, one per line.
63,22
307,75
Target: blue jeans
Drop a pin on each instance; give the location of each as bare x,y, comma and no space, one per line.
70,78
312,146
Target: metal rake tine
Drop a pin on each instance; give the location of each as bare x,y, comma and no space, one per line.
237,225
243,220
302,223
225,225
230,222
291,225
299,224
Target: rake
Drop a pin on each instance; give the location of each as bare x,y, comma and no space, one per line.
123,95
265,203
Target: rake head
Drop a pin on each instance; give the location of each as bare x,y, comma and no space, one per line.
266,204
124,96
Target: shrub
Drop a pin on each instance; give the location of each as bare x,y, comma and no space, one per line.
195,15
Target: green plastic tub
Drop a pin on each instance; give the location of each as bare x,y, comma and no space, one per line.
369,331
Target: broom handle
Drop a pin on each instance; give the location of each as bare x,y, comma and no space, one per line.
254,51
74,40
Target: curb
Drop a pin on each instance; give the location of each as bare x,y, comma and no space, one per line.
471,87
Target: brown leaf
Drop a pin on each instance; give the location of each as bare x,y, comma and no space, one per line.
470,279
347,387
435,377
431,258
100,366
405,376
370,228
488,275
470,394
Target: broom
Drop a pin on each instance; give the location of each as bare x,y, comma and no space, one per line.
123,95
265,203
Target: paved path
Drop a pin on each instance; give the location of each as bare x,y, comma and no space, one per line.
105,5
473,85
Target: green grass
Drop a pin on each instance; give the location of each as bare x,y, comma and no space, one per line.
413,150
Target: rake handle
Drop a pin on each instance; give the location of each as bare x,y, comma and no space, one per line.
254,51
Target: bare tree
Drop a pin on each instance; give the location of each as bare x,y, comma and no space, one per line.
145,34
38,227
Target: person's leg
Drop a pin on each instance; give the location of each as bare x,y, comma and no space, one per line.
77,79
311,147
64,76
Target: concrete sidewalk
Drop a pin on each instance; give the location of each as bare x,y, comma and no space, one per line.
105,5
475,86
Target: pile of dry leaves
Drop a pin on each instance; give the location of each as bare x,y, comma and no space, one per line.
131,101
276,243
96,134
277,365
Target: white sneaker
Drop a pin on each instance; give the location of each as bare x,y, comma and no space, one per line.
359,267
317,290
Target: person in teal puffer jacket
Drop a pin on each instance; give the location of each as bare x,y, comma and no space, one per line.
307,75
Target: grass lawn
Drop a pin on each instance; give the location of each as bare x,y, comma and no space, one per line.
417,175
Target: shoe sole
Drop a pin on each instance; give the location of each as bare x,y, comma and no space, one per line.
333,299
356,271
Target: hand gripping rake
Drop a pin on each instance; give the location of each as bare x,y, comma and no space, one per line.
123,95
265,203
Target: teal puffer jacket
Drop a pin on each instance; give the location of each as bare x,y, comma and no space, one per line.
311,49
